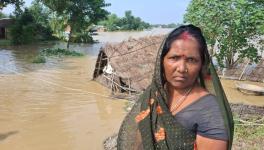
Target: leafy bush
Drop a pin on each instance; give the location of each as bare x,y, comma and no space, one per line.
27,28
59,52
39,59
82,38
23,30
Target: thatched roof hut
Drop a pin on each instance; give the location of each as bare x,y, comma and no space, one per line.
245,70
257,73
127,66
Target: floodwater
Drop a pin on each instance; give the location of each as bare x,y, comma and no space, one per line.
56,106
235,96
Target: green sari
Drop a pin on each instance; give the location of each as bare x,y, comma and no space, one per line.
151,126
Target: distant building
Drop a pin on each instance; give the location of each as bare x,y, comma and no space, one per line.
4,24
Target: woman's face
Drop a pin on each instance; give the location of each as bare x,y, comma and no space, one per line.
182,63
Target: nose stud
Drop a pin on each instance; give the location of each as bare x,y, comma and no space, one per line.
186,70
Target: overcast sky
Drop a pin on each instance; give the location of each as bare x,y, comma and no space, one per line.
151,11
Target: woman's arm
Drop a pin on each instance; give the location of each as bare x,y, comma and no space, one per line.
204,143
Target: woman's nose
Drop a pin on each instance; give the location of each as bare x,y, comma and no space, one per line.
181,67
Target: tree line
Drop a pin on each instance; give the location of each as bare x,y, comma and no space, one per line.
228,25
48,19
128,22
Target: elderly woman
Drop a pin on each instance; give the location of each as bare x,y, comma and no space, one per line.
185,106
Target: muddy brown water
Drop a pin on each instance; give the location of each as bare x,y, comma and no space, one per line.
55,105
235,96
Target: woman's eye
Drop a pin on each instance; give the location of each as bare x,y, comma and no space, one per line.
191,60
175,57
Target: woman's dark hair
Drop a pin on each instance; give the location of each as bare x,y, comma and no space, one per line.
193,31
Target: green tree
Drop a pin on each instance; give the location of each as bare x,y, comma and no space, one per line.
31,25
18,5
4,3
78,14
57,25
23,31
129,22
229,23
41,16
111,23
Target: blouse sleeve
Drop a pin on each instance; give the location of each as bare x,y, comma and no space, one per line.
210,121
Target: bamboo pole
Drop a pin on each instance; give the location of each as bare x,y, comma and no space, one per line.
124,88
129,86
244,70
112,82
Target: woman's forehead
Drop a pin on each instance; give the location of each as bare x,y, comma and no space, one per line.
187,46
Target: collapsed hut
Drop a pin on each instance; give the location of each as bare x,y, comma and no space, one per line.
127,67
257,74
245,70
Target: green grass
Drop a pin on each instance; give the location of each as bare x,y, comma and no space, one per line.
39,59
48,52
60,52
248,136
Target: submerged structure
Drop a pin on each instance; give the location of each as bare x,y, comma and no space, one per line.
127,66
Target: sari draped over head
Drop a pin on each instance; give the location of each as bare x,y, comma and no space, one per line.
151,126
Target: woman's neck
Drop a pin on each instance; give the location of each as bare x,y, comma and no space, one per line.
178,92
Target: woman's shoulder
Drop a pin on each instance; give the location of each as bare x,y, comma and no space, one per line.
202,98
205,105
208,100
205,102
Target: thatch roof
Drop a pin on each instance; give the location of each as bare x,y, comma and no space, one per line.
245,70
257,73
132,61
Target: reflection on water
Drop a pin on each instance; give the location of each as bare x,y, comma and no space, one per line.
55,105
